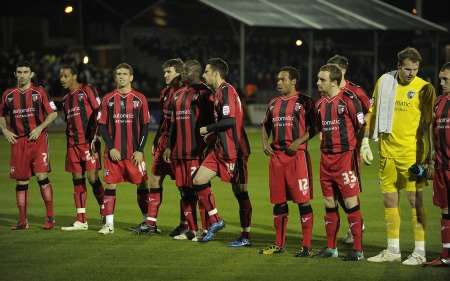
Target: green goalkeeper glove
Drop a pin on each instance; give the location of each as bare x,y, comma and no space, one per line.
366,152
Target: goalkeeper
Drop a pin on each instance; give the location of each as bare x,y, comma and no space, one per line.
401,117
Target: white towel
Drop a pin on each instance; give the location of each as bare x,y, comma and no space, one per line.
385,104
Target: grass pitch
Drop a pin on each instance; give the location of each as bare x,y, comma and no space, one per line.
36,254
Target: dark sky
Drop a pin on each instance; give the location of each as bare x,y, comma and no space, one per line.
434,10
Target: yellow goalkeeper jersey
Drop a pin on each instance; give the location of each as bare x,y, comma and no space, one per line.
412,112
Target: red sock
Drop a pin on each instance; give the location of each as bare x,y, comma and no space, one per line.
109,201
99,193
445,236
203,215
280,223
153,203
207,198
307,222
21,200
332,223
245,213
355,222
47,196
80,196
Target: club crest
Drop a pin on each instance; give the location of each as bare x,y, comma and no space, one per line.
410,94
340,109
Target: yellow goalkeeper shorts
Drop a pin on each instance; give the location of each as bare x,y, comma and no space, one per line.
394,175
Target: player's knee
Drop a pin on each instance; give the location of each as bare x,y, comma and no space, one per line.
329,202
200,187
353,209
21,187
390,200
350,203
41,176
198,180
304,209
44,182
280,209
78,181
153,181
92,178
412,200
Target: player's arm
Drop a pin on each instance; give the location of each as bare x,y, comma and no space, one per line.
172,138
50,109
144,118
266,128
160,126
220,126
10,136
355,112
227,115
138,155
310,128
427,100
372,111
38,130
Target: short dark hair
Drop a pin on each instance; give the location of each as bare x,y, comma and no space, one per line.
293,72
219,65
73,69
24,63
339,60
126,66
446,66
409,53
335,72
175,63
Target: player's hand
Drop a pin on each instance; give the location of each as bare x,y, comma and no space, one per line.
267,149
10,136
166,155
209,138
34,135
366,152
138,157
203,131
114,154
94,140
292,149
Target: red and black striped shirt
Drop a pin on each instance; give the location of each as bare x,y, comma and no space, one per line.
364,98
26,110
191,109
125,116
227,105
80,108
339,119
289,118
441,132
165,100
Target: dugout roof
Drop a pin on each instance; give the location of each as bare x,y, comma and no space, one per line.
322,14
